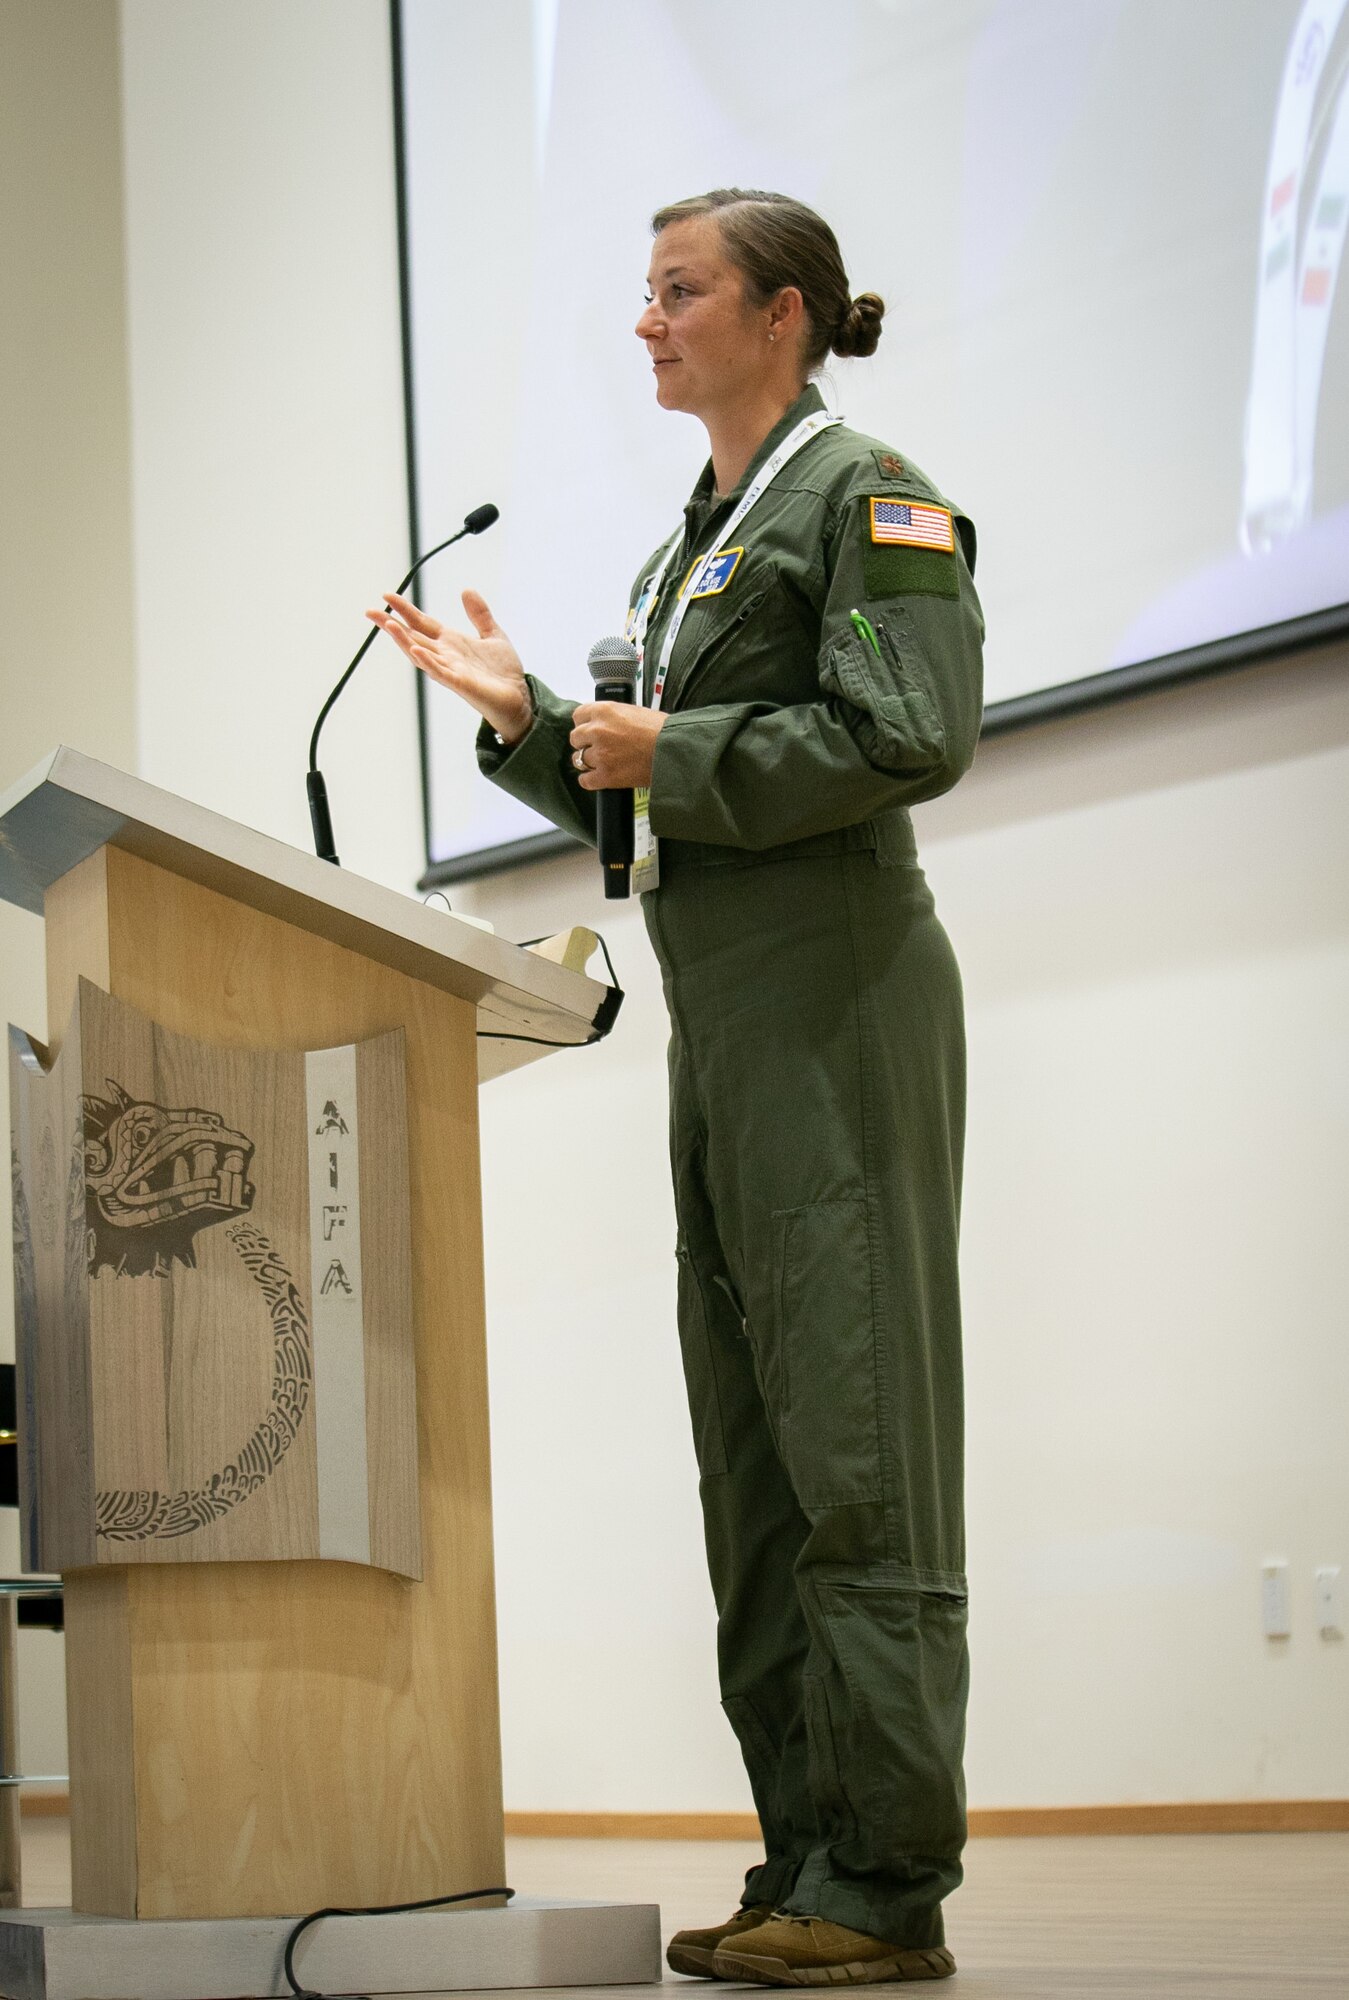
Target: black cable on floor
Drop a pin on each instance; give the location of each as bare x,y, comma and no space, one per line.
374,1910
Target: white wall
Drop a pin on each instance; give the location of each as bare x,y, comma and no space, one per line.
1150,909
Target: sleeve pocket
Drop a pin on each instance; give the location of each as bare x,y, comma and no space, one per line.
897,727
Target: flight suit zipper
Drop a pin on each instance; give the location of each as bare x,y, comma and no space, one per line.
720,1278
774,1401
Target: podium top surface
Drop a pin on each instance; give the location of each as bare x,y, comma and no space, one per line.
70,805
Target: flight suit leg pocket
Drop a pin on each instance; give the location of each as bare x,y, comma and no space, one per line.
700,1374
829,1416
901,1649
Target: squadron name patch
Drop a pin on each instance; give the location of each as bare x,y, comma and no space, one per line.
912,524
718,573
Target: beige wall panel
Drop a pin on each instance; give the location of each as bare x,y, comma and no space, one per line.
270,482
67,665
66,669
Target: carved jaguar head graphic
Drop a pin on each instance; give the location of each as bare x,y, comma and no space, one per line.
153,1178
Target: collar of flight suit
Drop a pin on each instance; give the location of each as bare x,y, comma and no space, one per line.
701,509
701,512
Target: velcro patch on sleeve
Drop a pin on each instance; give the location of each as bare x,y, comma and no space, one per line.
911,524
907,572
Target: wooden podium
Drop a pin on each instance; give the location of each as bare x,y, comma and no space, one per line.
261,1737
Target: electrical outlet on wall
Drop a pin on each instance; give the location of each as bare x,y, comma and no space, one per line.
1275,1600
1329,1602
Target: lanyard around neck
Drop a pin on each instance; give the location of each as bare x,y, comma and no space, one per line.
802,434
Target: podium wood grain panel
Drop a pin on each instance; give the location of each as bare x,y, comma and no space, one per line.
183,1351
103,1746
52,1290
206,1300
369,1770
390,1378
11,1856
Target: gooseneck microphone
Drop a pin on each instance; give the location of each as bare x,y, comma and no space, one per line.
613,667
319,817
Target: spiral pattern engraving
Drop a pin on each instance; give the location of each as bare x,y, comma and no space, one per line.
138,1516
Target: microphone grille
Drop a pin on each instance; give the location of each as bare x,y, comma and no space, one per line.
612,660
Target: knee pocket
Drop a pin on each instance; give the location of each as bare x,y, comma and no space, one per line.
900,1652
824,1340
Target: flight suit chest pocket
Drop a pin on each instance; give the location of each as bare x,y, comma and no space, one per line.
826,1334
708,629
758,646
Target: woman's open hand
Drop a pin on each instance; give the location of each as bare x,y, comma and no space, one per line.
612,744
486,671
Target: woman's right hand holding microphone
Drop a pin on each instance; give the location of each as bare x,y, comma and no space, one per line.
485,670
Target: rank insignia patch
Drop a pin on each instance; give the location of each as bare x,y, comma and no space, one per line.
717,574
890,465
912,524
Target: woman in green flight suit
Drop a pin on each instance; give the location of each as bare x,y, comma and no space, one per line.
820,672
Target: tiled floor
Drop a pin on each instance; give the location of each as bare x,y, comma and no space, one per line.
1183,1917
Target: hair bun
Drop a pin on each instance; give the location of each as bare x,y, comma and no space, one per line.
860,328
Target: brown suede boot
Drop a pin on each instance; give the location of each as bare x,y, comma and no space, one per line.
811,1951
693,1951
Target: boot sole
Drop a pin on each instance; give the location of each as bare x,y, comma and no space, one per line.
692,1959
933,1963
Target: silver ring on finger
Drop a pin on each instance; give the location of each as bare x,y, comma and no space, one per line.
578,758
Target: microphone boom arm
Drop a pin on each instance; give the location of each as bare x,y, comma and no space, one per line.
320,819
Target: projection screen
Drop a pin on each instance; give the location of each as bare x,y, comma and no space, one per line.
1108,233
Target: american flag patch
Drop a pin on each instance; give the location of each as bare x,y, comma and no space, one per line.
913,523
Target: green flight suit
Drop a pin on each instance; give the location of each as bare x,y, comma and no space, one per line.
817,1084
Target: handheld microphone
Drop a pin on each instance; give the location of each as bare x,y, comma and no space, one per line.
319,817
613,667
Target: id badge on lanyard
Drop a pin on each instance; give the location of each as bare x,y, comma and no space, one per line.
646,846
